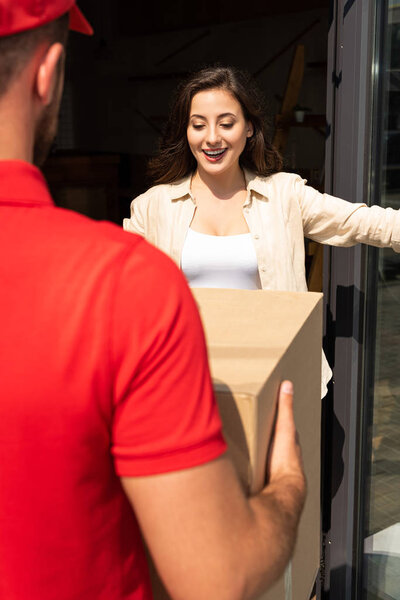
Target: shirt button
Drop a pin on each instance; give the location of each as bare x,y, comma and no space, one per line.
263,269
247,210
256,236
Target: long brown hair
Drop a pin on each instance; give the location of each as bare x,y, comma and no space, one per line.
175,159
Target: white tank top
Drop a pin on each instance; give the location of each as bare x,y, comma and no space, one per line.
220,261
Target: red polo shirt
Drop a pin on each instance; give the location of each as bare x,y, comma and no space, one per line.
103,373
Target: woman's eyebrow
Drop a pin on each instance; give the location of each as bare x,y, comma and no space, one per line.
227,114
222,116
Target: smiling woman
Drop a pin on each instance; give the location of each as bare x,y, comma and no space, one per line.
217,134
219,180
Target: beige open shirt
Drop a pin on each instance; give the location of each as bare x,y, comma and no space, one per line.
279,210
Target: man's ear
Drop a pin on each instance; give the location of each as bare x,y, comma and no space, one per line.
46,75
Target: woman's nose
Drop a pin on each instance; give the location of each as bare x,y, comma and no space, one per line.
212,136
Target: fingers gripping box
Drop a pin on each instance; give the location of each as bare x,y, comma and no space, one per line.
255,339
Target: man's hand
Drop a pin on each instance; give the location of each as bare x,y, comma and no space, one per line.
207,539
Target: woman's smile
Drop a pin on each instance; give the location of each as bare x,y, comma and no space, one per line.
215,155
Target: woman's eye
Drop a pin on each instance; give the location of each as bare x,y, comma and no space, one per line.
197,125
227,125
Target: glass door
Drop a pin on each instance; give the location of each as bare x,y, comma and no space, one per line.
380,489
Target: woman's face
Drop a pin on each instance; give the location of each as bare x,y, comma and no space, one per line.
217,131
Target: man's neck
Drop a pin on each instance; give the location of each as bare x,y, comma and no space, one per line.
16,132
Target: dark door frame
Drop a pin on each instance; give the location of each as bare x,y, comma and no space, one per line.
351,76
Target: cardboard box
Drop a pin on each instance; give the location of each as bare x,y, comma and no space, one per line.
255,339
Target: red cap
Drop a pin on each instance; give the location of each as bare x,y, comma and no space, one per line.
22,15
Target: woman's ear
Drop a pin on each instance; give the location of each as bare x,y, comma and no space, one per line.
250,129
47,73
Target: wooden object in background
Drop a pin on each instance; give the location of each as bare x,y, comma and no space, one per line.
290,98
315,253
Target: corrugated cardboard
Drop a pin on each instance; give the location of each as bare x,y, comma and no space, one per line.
255,339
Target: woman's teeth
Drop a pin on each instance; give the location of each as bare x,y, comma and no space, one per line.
214,153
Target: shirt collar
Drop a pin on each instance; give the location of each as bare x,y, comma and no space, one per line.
22,184
255,183
181,189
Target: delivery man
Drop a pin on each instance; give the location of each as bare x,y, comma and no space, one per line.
109,430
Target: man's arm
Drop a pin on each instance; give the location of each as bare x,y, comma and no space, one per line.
207,539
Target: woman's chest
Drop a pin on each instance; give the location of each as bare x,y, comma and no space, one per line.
220,217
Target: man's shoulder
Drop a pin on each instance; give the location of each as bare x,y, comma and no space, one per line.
81,231
103,243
